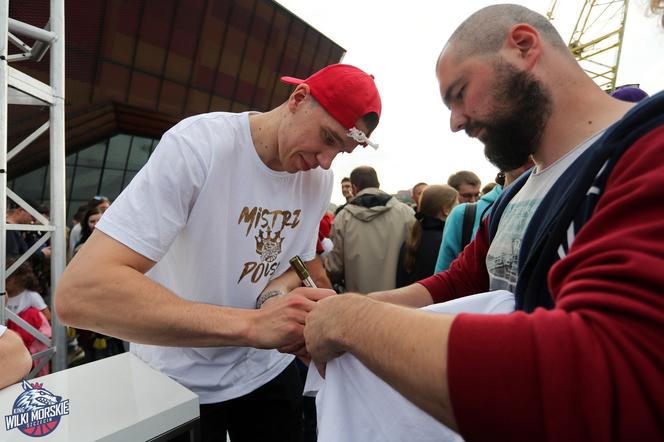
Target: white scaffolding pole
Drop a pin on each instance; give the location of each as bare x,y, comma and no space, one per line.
4,68
17,87
57,173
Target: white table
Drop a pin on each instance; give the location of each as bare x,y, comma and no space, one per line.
115,399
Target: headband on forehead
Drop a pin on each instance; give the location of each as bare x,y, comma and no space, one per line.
360,137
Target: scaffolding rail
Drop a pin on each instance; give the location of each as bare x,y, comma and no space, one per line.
18,88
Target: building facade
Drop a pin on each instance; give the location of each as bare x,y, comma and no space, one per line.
136,67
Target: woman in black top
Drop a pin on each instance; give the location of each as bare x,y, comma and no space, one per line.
419,252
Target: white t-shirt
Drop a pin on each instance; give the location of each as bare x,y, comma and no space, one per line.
25,299
502,259
353,404
220,224
2,329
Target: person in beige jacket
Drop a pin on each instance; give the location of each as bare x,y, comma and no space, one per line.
367,235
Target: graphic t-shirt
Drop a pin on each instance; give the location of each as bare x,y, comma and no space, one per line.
502,260
220,225
24,300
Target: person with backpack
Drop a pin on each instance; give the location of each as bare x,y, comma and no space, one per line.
464,220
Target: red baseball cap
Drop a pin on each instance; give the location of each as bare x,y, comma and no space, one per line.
345,92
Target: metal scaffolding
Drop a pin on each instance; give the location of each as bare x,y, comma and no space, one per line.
18,88
596,41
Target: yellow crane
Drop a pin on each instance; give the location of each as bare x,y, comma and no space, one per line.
596,41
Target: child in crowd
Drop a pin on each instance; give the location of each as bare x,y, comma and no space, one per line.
22,287
24,301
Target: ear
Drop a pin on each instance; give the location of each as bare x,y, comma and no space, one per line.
526,42
447,210
298,96
354,188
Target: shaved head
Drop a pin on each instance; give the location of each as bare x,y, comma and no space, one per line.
485,31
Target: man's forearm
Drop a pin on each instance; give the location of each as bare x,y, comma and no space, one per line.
414,295
105,289
16,360
318,273
281,285
139,310
406,348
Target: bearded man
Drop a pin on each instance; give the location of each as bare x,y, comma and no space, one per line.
578,242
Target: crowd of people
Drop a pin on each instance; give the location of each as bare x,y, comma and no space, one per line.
28,288
195,274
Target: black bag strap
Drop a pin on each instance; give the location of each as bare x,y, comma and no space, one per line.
468,224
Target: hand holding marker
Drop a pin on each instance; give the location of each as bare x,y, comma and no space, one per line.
298,265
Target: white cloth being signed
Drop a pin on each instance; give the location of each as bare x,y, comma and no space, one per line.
353,404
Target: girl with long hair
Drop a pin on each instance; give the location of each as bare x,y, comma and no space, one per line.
419,252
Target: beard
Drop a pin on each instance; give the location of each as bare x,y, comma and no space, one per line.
523,107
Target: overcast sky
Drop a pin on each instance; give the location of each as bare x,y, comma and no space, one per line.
398,42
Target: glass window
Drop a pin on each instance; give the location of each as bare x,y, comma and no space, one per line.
92,156
91,171
129,175
30,185
70,159
118,148
111,183
140,151
73,208
70,214
85,183
46,195
69,173
154,144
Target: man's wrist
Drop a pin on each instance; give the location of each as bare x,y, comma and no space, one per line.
352,314
265,296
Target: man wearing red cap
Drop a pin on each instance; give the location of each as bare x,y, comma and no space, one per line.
190,263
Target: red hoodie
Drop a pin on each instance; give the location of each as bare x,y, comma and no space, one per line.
592,368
